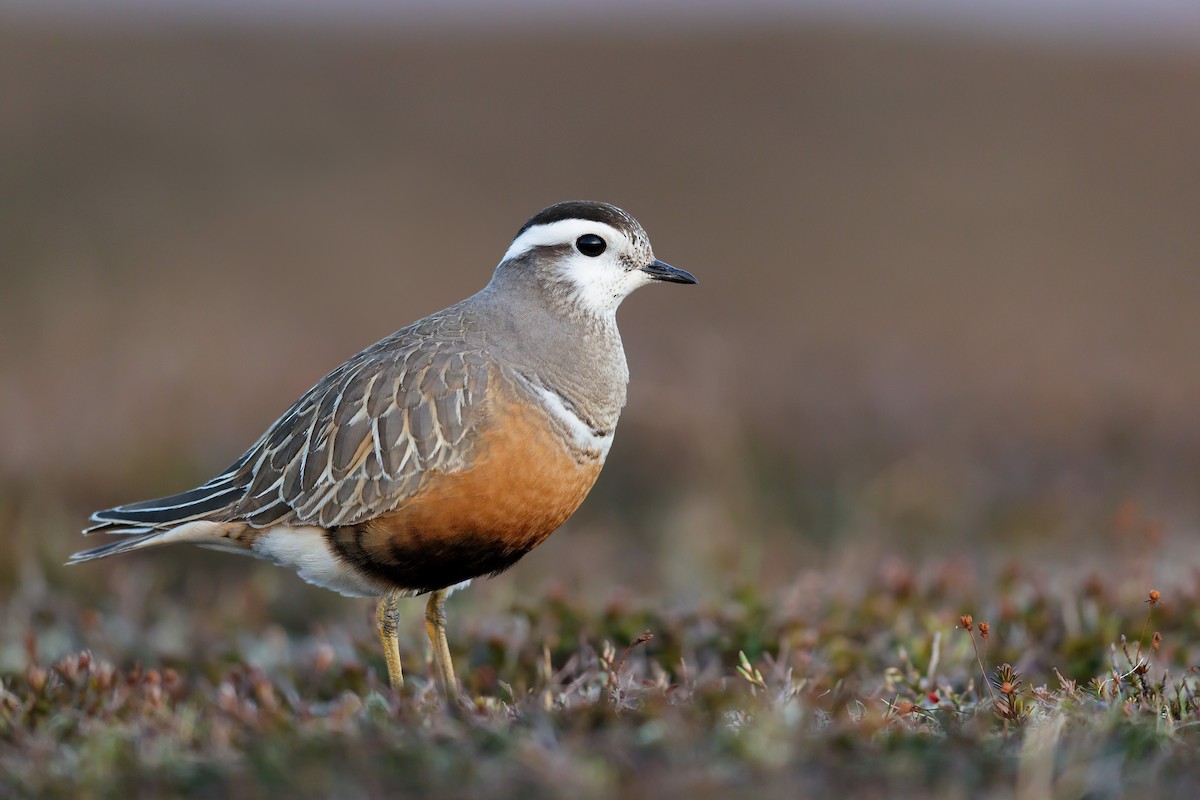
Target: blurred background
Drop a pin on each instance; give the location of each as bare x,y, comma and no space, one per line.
948,254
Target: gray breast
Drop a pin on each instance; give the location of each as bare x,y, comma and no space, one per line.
573,367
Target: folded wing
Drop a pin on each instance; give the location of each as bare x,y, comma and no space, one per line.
355,446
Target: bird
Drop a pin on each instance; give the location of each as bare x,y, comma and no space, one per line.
444,452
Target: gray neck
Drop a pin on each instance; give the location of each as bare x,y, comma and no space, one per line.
556,344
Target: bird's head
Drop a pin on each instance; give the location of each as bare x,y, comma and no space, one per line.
588,254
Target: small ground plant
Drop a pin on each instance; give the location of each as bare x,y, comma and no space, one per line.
887,690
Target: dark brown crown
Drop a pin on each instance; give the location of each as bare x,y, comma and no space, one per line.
584,209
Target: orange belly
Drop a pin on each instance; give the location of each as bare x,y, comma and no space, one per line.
523,484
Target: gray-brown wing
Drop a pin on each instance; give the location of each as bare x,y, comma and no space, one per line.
363,439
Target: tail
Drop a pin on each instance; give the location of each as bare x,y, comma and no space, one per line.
179,517
136,542
201,531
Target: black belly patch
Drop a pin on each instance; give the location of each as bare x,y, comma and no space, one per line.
419,565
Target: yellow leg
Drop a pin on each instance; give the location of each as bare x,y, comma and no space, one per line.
435,626
386,614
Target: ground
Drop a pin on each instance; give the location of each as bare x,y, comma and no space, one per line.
866,680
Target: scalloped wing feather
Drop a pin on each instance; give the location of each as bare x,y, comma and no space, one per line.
361,441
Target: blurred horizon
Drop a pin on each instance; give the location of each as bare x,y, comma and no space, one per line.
1174,23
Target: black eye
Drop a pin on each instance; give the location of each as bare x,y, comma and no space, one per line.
590,245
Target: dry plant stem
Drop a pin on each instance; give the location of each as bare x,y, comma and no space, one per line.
640,640
1142,636
386,615
935,656
435,626
982,669
615,669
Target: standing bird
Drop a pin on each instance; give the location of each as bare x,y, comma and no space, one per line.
444,452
